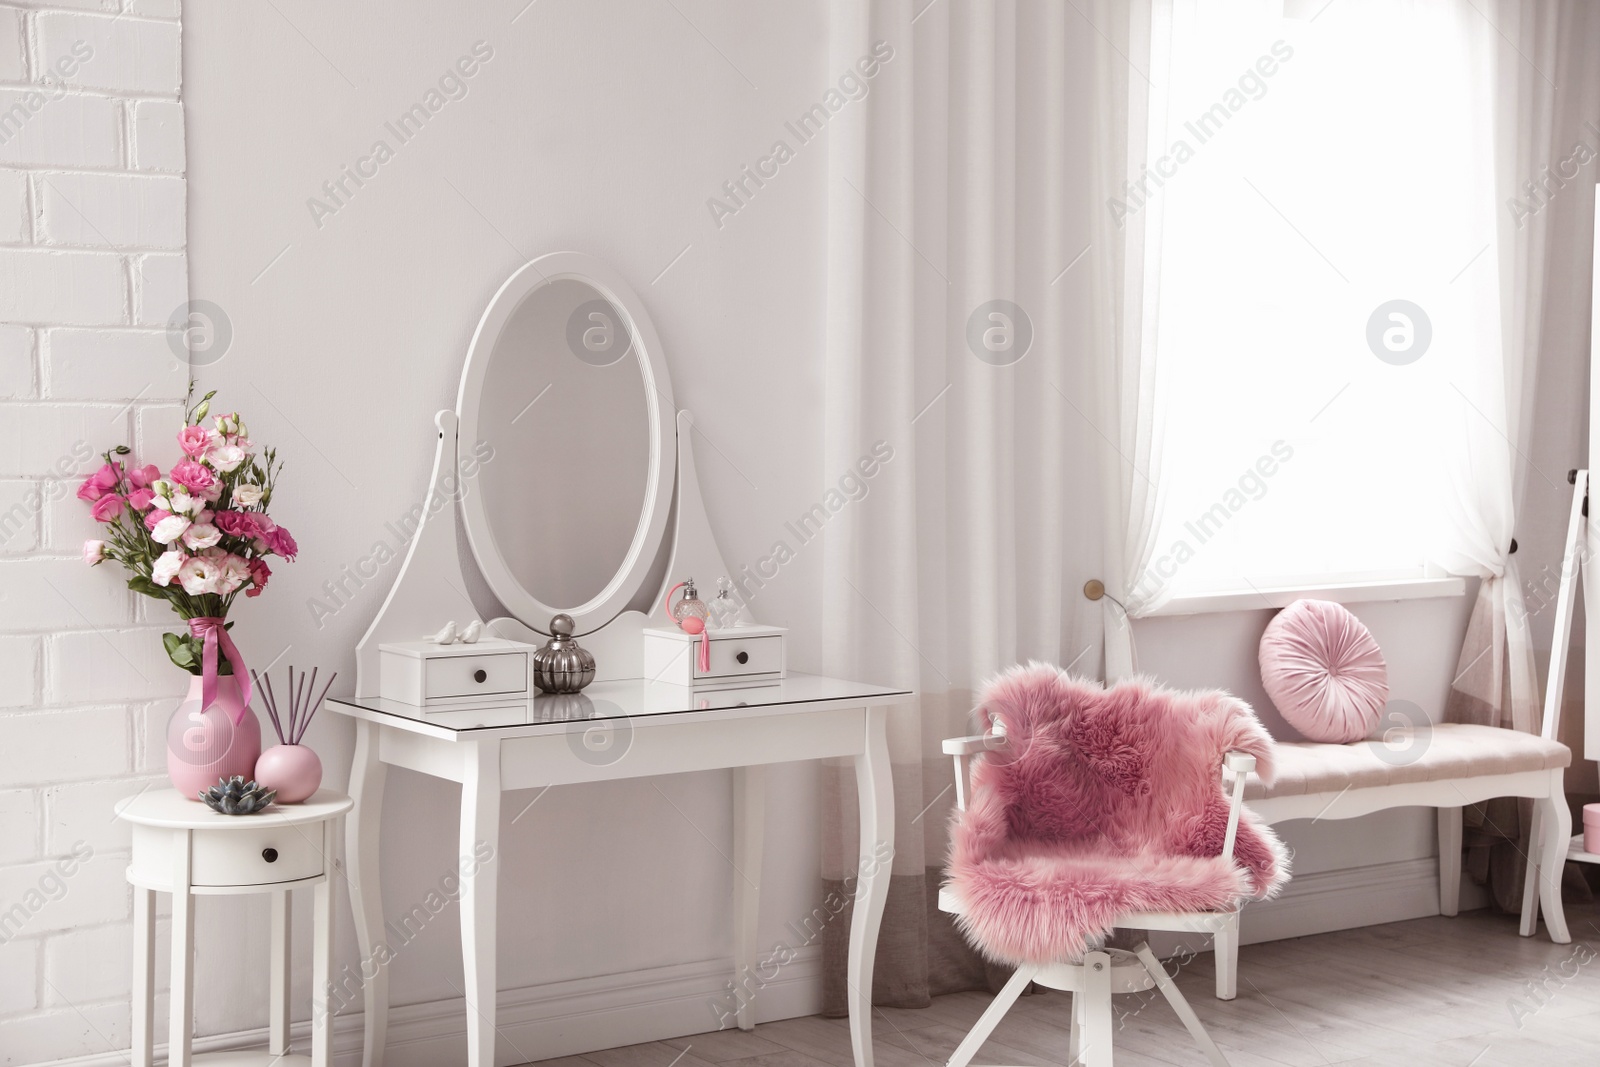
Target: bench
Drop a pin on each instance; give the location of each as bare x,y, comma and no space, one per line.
1445,766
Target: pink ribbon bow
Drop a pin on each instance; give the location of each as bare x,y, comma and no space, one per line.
209,629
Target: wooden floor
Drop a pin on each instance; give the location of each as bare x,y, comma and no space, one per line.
1462,992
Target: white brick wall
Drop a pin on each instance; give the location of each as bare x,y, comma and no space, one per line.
92,266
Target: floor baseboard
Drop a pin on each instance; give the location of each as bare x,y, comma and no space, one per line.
585,1014
556,1019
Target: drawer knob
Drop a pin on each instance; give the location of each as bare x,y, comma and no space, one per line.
270,855
743,657
480,675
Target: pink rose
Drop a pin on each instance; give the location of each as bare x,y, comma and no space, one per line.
140,499
281,543
198,575
94,552
237,524
232,571
169,529
165,568
100,482
154,518
140,477
201,535
107,508
194,440
259,573
193,476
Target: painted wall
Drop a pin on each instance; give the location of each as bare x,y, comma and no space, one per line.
601,128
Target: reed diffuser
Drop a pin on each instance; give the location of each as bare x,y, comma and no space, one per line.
290,767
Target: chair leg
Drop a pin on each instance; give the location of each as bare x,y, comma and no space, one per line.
991,1017
1530,878
1449,861
1098,1025
1075,1034
1180,1004
1225,947
1557,825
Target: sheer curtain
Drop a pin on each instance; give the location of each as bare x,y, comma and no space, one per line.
949,190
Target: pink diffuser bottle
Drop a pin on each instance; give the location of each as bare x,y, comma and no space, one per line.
291,768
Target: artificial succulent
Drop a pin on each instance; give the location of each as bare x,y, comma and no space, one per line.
235,796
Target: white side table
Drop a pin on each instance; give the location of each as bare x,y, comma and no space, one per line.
182,847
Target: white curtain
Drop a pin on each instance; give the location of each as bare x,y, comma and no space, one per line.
1130,54
1496,681
949,190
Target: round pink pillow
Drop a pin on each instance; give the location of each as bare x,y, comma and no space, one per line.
1324,671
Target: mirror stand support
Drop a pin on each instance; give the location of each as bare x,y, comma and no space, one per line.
430,587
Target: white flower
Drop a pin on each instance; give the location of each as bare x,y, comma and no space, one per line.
232,572
182,503
225,458
198,575
161,503
94,552
166,567
201,535
169,529
246,496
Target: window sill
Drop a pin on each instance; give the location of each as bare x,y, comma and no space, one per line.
1338,592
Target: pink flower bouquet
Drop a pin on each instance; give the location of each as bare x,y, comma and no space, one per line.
195,537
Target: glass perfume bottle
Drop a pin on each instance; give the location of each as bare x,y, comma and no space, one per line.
690,612
724,609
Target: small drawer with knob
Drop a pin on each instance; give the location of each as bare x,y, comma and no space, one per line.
423,673
240,856
739,656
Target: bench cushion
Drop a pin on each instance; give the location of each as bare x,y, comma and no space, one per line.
1446,750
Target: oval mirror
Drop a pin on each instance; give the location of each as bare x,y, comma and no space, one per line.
565,383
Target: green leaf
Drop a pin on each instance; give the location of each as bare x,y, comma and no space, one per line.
140,584
171,641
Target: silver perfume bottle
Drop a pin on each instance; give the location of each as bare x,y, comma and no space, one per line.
562,665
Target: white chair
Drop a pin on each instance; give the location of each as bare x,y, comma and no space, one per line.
1103,972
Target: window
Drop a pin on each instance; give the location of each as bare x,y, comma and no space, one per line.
1321,257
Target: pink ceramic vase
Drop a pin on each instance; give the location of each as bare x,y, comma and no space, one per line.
293,770
205,746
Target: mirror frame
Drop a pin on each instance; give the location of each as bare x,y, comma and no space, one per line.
642,551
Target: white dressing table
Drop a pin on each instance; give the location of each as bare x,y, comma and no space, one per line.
664,729
566,373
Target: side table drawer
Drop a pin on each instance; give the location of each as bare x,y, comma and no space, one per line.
257,857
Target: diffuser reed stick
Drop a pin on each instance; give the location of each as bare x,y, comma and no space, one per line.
304,700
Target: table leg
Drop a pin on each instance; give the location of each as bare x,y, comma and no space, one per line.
180,1029
749,830
362,833
480,860
875,789
278,979
144,975
322,958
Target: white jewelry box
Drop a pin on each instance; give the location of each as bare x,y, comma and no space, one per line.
740,656
422,673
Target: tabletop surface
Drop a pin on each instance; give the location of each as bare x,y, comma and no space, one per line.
170,809
638,700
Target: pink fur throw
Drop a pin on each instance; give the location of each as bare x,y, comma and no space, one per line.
1101,803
